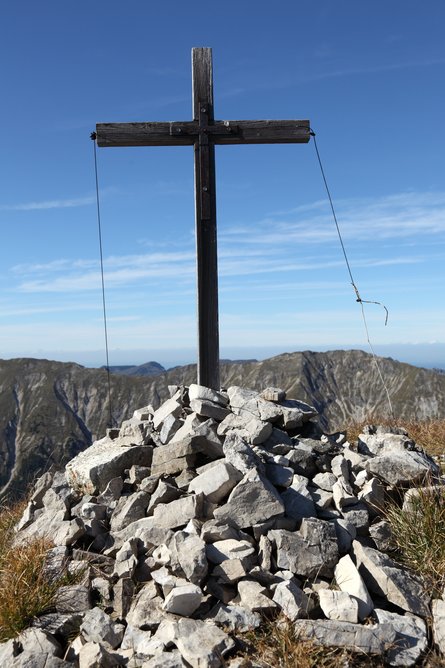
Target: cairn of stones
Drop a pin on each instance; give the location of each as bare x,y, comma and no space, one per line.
192,523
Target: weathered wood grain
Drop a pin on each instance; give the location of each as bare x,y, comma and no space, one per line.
186,133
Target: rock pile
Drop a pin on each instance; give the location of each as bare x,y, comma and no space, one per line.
191,522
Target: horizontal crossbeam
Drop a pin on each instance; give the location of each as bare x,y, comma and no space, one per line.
187,133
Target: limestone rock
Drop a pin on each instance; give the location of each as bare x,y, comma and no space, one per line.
98,627
373,639
178,455
217,482
242,550
411,637
183,600
438,611
234,617
92,469
385,578
177,513
349,580
310,552
202,644
291,599
338,605
252,501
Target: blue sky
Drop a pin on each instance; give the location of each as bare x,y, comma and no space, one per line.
369,76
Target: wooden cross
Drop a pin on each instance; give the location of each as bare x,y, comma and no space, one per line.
203,132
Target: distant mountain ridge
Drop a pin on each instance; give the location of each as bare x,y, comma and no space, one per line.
146,369
49,411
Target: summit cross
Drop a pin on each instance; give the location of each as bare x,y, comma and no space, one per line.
203,132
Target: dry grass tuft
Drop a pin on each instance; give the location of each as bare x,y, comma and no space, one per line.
25,591
419,534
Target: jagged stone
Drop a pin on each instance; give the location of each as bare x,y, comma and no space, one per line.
170,426
128,510
31,659
214,530
126,559
358,517
177,513
274,394
192,558
172,406
230,571
135,432
240,455
250,428
297,499
400,468
253,596
291,599
58,624
234,617
345,532
338,605
373,639
278,475
164,493
252,501
146,529
325,481
242,550
322,500
209,409
171,659
217,482
206,394
183,600
411,637
202,643
177,455
350,581
72,598
123,592
295,413
32,642
302,460
343,495
385,578
382,536
146,609
373,494
377,441
98,627
91,471
310,552
95,655
438,612
112,491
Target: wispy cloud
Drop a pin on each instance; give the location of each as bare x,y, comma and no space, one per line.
393,217
50,204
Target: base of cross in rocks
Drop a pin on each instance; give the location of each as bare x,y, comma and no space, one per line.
192,522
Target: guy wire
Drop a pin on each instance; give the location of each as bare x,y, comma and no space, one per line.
99,227
357,294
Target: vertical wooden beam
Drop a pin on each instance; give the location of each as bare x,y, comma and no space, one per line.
205,207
